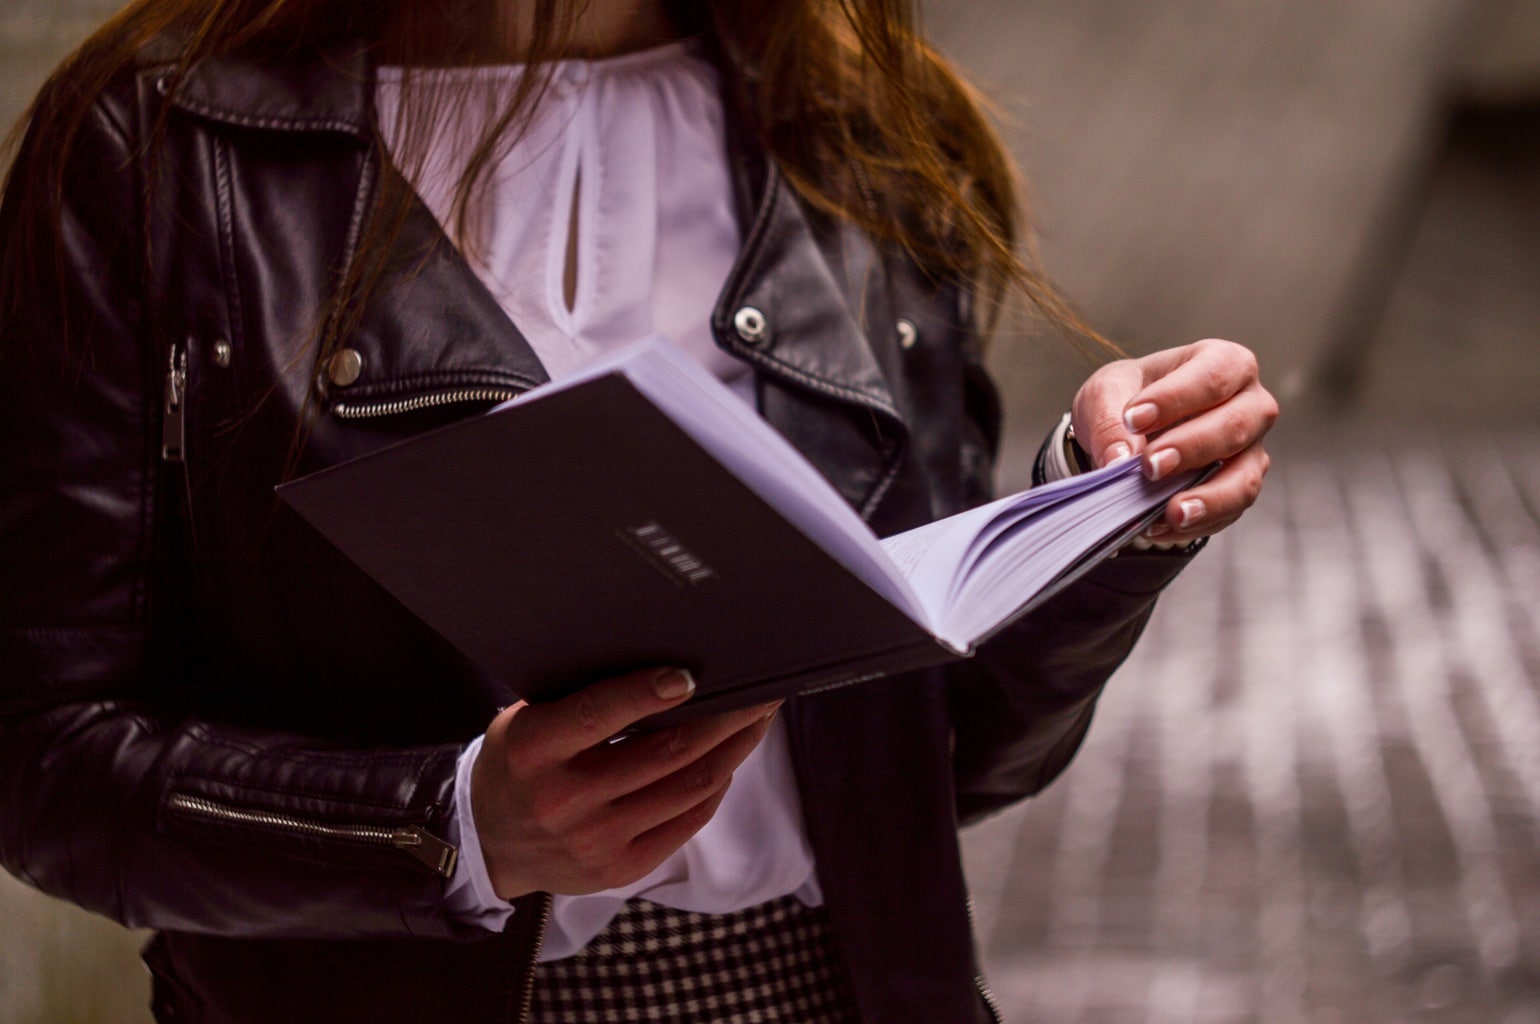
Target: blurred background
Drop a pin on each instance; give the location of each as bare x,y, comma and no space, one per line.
1313,795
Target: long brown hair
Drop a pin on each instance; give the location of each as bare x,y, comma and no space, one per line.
865,120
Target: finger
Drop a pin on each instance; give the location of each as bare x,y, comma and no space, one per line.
604,859
643,835
504,719
599,711
612,771
1097,413
658,843
1218,501
1213,435
621,841
669,797
1204,375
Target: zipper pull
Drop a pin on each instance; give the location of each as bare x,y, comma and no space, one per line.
173,434
427,848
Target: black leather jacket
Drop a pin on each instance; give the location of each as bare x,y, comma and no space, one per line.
214,726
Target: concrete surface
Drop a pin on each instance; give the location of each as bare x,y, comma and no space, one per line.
1313,795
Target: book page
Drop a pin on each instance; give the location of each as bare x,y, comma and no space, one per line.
928,556
1020,554
938,558
976,569
1033,503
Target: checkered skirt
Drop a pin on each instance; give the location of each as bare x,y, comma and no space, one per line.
775,962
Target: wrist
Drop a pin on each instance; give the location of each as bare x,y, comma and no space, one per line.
470,896
493,850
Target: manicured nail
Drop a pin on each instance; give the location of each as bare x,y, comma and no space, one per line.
1157,530
1117,451
1140,417
1193,510
673,684
1163,462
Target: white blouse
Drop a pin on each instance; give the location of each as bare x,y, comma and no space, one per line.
618,194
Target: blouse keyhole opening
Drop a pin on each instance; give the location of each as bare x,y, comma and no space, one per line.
569,281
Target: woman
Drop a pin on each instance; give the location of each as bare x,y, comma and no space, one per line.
227,262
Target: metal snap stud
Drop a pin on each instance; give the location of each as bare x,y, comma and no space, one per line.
344,367
222,352
908,334
751,325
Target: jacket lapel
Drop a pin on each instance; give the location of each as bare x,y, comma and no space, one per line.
429,323
822,384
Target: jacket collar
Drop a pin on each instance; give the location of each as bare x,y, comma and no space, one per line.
329,89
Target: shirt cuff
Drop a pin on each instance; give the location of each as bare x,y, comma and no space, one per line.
469,897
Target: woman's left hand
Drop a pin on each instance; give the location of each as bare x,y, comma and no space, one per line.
1179,409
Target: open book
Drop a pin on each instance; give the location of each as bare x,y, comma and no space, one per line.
639,514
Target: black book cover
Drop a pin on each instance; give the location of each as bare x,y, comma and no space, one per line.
564,540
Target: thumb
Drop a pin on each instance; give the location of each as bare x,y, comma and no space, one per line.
1097,413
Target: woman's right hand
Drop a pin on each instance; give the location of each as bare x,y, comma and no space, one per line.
559,808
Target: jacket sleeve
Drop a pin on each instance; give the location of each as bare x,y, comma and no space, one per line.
111,796
1022,705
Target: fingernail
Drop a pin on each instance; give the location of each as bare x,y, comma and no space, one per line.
1140,416
1117,451
673,684
1163,462
1158,530
1193,510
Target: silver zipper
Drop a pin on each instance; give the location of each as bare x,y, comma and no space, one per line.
397,406
413,839
979,981
173,431
528,1000
982,985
